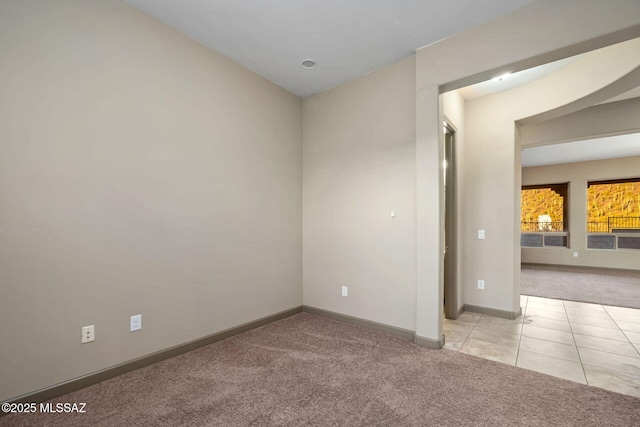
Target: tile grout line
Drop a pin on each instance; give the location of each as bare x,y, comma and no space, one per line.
576,344
467,335
621,330
553,329
524,317
470,332
632,344
550,340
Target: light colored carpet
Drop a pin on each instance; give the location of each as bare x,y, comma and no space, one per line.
312,371
599,286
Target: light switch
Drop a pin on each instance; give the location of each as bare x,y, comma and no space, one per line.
480,234
393,214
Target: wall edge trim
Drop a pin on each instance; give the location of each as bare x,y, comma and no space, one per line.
511,315
78,383
429,342
357,321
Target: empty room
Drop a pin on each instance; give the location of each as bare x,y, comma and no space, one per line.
218,212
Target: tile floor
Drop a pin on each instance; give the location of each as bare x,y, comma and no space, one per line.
588,343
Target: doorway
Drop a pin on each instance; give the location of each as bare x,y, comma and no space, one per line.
450,232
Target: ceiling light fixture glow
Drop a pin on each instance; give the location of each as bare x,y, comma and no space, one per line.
501,78
309,64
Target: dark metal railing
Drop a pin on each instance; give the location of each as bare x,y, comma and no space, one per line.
615,224
541,226
611,225
624,223
598,227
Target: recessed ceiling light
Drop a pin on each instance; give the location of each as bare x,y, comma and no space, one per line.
501,78
309,64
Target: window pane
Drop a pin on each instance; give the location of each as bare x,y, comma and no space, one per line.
543,208
613,206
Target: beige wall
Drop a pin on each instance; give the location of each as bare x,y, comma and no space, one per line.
359,165
346,203
142,173
491,153
578,175
139,173
493,180
612,118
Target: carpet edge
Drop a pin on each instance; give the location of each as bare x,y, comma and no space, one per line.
78,383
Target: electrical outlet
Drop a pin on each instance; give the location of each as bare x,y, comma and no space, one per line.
345,291
480,284
88,334
575,254
136,323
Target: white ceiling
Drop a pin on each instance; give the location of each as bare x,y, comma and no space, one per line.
581,151
513,80
570,152
347,38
